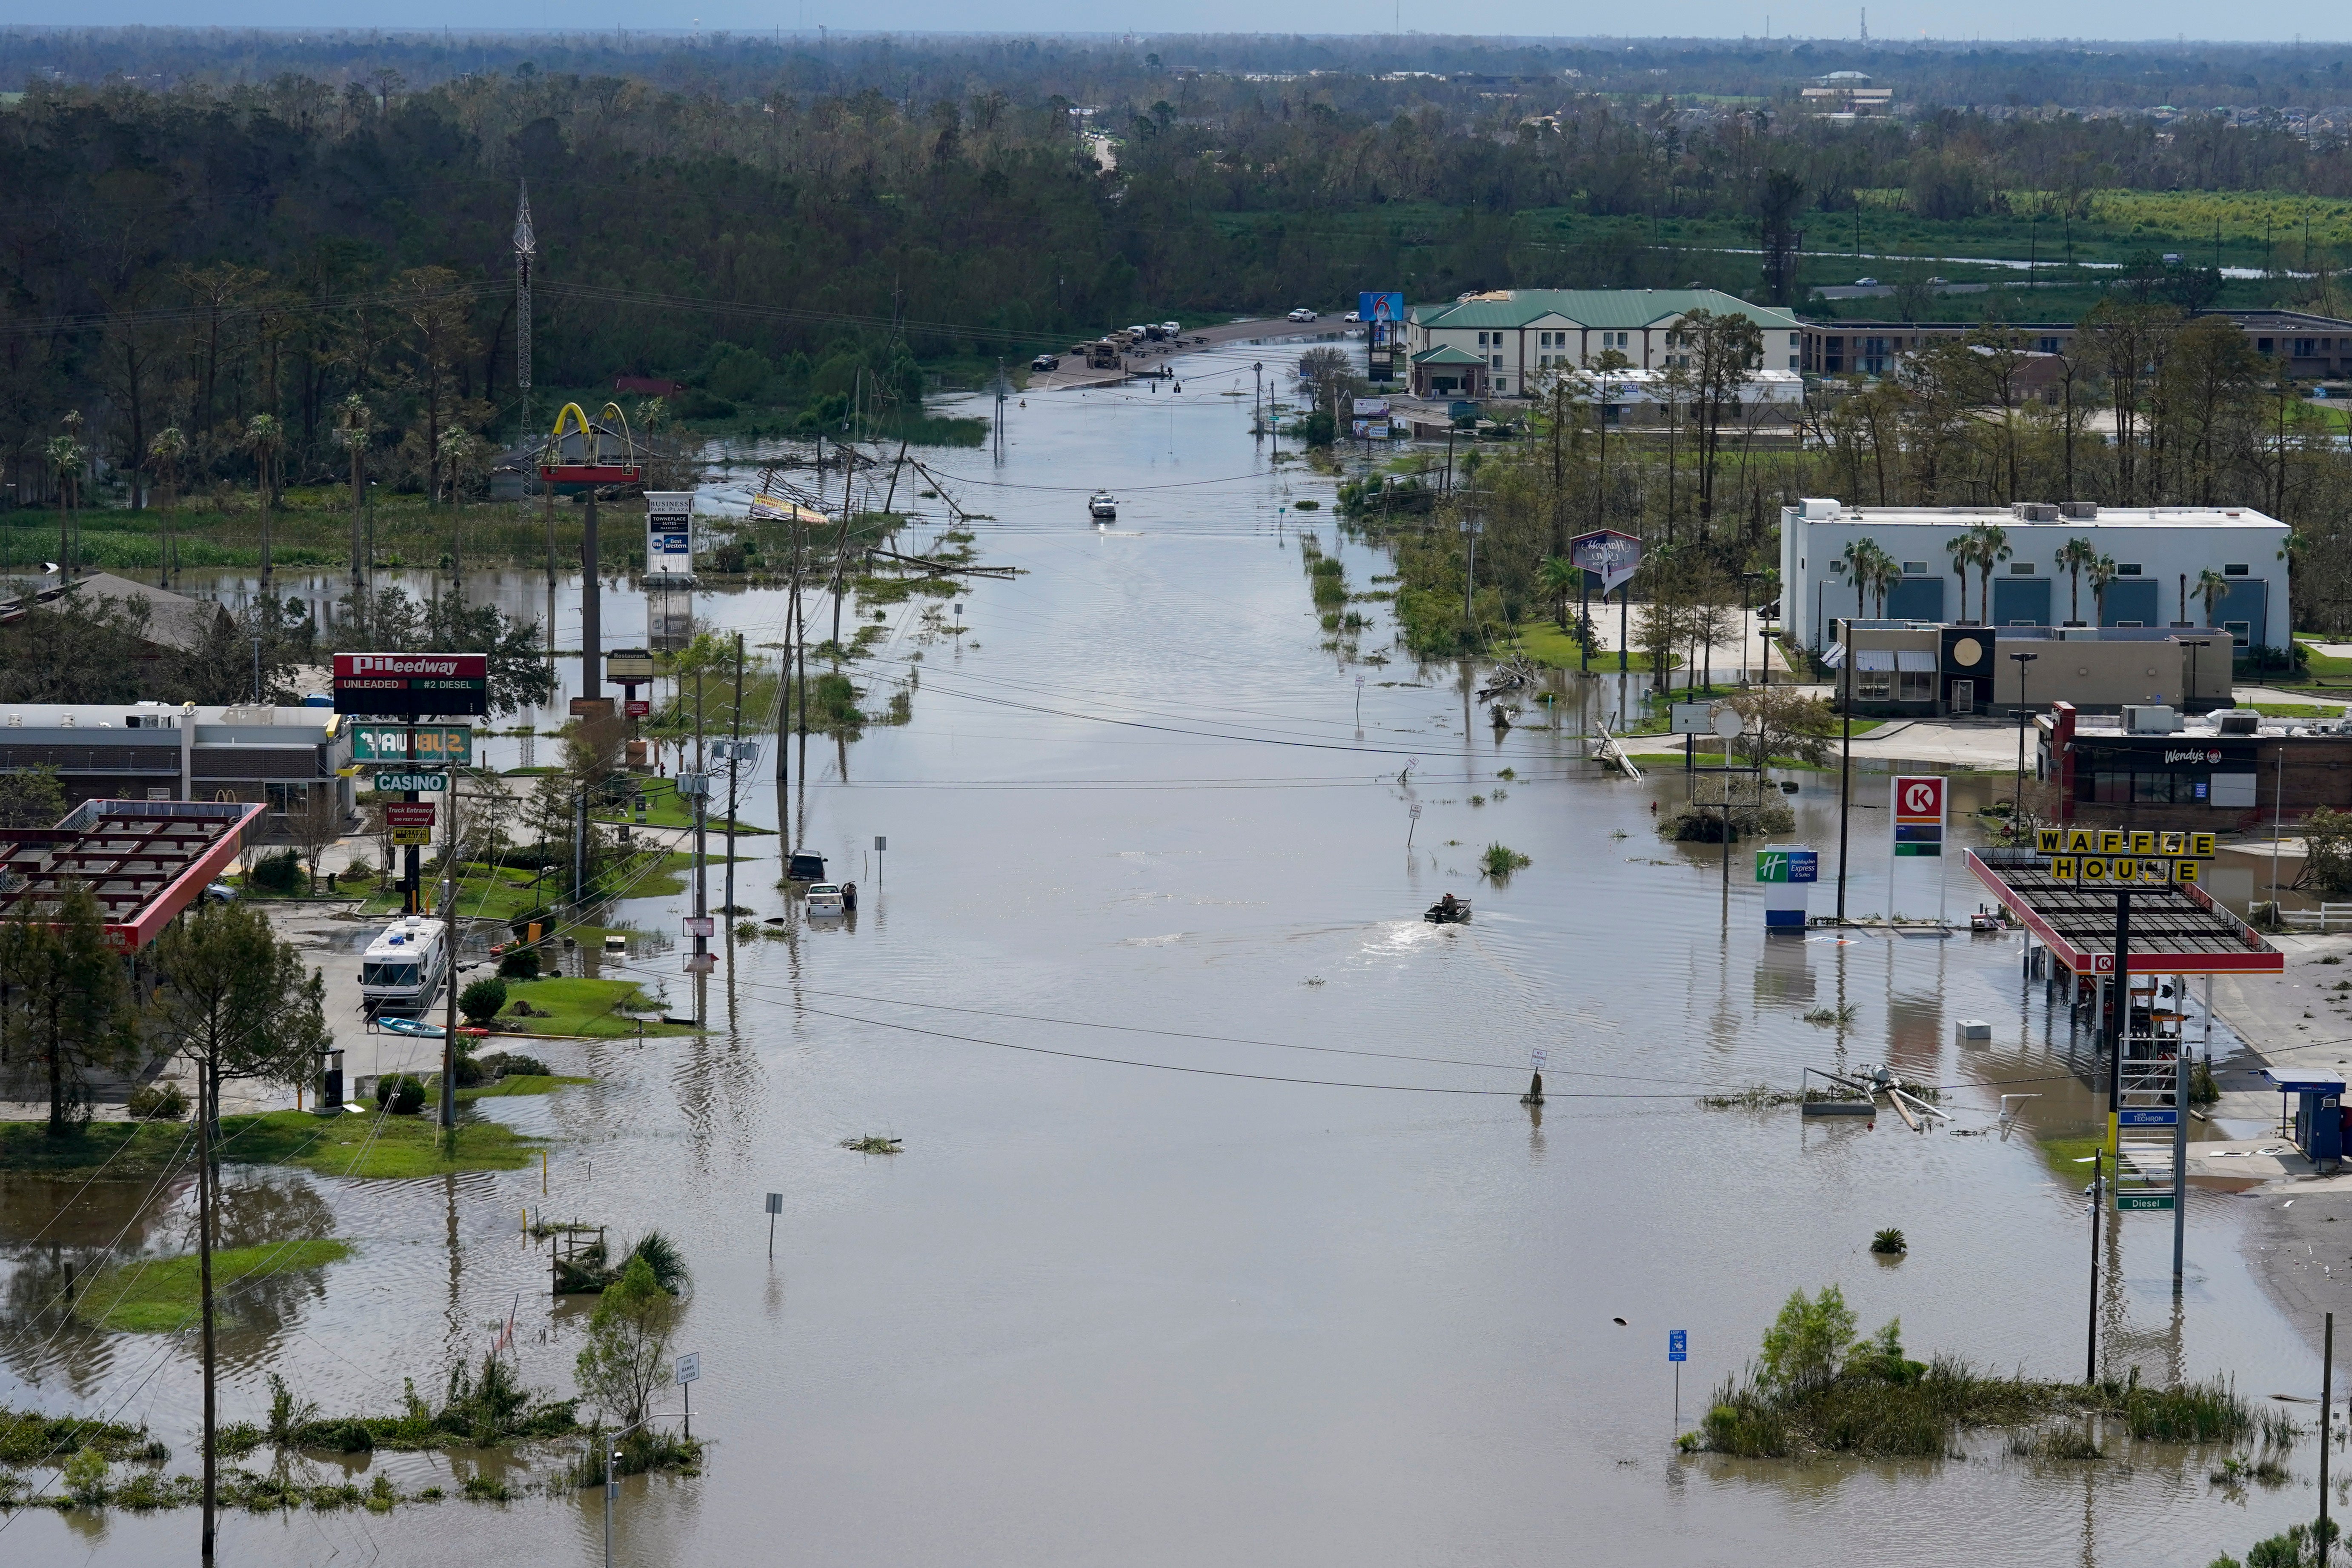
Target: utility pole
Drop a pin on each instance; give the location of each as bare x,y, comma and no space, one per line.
2017,811
204,1280
591,631
2326,1416
701,862
450,958
526,249
1845,773
2118,1026
734,763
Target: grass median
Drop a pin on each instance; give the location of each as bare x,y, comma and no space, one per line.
369,1145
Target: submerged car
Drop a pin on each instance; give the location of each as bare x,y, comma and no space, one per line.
825,899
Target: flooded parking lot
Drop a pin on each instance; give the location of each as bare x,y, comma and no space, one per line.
1219,1231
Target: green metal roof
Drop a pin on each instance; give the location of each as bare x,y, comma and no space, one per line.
1599,308
1447,354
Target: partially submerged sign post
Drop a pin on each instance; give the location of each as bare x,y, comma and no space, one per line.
2123,859
1614,558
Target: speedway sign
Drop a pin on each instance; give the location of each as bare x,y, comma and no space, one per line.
406,685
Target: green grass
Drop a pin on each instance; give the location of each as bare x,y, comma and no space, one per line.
582,1008
521,1083
490,893
2060,1155
331,1145
2297,711
1546,644
159,1296
665,809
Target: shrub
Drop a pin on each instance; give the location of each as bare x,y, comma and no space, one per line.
1889,1240
278,873
158,1102
522,964
513,1064
401,1092
85,1478
1500,861
1808,1343
480,1001
726,558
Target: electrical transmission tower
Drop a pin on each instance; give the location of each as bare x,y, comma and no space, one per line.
526,248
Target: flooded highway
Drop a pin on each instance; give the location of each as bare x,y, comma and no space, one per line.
1219,1232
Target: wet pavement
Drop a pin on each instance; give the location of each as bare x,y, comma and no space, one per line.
1219,1232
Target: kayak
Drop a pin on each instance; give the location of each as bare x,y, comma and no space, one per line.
416,1028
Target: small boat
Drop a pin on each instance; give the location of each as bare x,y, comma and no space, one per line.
1443,913
1103,507
417,1029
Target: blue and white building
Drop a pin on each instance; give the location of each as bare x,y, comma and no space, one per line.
2159,554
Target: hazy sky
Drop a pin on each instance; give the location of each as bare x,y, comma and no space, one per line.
1712,18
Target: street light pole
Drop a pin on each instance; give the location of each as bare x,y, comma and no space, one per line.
611,1482
2017,811
1845,769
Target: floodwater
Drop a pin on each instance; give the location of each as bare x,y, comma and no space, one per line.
1220,1234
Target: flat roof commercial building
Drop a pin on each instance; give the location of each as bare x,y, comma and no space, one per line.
282,759
2160,553
1918,669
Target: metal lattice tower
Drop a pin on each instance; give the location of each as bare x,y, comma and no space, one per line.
526,249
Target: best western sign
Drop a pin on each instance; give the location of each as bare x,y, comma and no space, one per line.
406,685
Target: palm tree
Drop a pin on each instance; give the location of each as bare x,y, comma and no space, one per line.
1857,557
1992,548
264,437
167,451
1962,547
2103,571
65,456
1559,578
2288,548
2212,587
1887,571
2072,556
351,434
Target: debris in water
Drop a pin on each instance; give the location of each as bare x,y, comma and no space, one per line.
870,1145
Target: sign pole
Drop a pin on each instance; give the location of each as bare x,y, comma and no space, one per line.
2180,1158
2118,1025
2098,1205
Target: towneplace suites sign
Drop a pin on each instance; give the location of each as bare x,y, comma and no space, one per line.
408,685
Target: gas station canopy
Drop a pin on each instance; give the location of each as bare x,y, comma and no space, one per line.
2176,929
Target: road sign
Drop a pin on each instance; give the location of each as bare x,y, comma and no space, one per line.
775,1202
1678,1344
880,844
1536,1058
2143,1202
410,814
638,707
444,745
397,784
700,925
1691,719
1787,865
2148,1118
407,684
690,1366
408,835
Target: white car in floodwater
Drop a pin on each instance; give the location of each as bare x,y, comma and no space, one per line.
1103,507
825,899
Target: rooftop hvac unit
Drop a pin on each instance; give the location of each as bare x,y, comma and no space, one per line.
2151,719
2080,510
2236,721
2033,512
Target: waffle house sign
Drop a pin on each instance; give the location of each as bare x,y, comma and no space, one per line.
2123,857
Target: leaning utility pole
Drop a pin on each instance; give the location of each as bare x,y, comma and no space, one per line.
526,249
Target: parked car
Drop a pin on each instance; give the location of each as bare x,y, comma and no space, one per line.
1173,329
1046,362
825,899
1865,282
218,894
1302,314
1155,332
1352,318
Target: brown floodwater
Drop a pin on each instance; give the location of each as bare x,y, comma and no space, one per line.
1219,1233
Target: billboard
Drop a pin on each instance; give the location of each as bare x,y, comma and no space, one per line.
451,745
670,533
1380,306
1612,556
404,685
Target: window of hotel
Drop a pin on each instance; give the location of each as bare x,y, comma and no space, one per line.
1915,569
2021,568
2233,571
2128,569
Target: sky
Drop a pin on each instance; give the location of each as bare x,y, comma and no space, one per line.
1989,19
